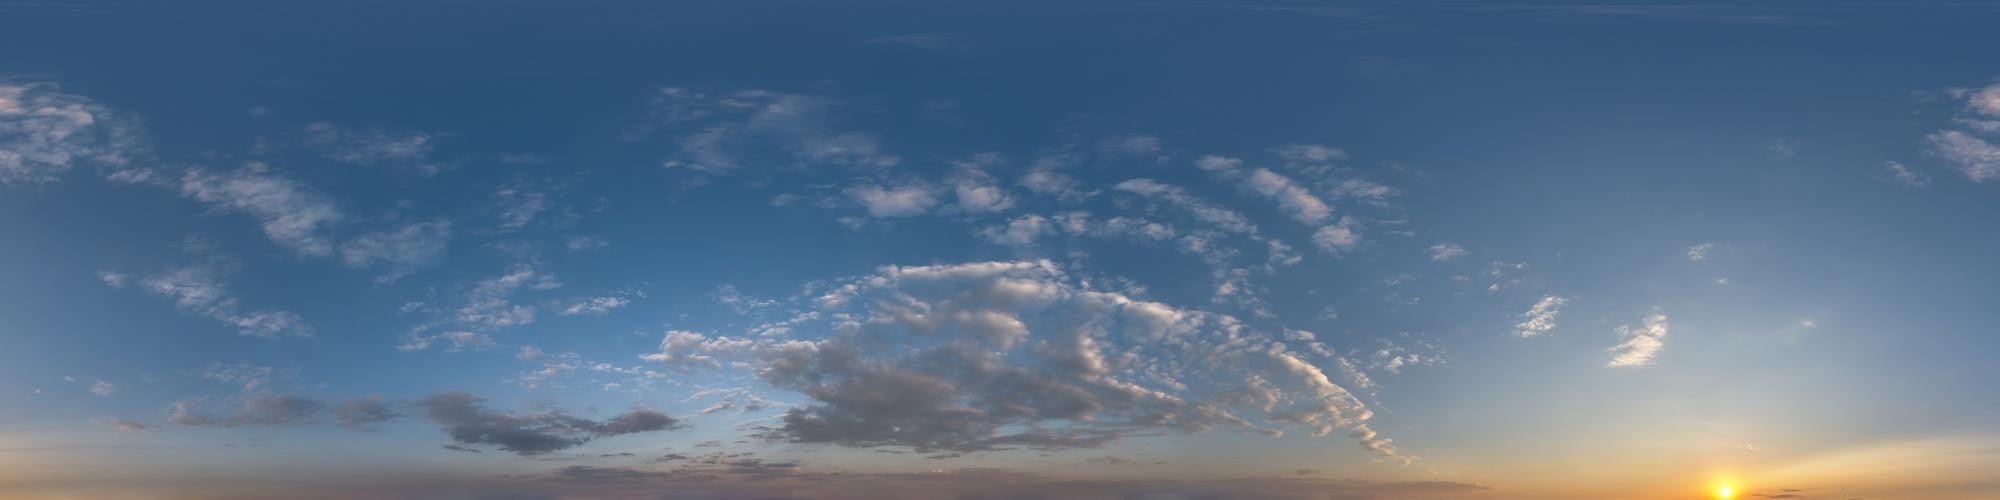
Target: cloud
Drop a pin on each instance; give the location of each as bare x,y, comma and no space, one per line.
1134,144
45,132
1292,198
519,207
364,413
406,151
1906,176
692,349
465,418
1977,159
257,410
1641,343
1541,318
593,306
991,355
102,388
1337,238
718,133
1700,252
292,216
399,252
1201,210
1312,153
202,290
582,243
895,201
119,424
976,190
1446,252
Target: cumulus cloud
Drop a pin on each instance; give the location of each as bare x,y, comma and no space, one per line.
45,132
467,420
975,190
398,252
1339,237
999,355
1541,318
1641,343
692,349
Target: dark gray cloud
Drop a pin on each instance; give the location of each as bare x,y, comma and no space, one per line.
466,419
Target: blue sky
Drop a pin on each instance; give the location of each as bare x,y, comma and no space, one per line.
608,249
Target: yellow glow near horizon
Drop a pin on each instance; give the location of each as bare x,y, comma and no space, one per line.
1724,491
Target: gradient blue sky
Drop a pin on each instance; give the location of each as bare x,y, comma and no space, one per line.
718,249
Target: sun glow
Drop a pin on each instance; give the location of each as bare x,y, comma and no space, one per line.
1724,492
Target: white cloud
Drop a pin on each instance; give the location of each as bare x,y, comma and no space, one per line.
594,306
1641,343
1337,238
1135,144
1445,252
1908,177
201,290
1977,159
1361,189
292,216
1541,318
581,243
45,132
1984,101
1292,198
113,279
399,252
975,189
896,201
102,388
1700,252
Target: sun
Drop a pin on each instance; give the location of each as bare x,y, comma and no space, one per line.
1724,492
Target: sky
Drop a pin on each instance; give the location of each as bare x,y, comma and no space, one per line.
1105,249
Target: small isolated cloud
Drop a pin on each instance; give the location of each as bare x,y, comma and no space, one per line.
1135,144
1641,343
582,243
405,151
1700,252
1783,148
1541,318
102,388
1292,198
398,252
1443,252
119,424
593,306
1906,176
895,201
